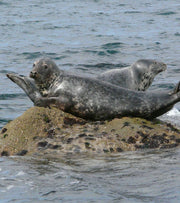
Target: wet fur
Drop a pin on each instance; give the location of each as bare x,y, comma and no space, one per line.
91,98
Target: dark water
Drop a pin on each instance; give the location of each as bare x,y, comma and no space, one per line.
78,35
129,177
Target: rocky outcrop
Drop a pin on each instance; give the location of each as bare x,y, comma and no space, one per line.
43,131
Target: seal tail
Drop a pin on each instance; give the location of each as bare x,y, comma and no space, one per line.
176,89
176,93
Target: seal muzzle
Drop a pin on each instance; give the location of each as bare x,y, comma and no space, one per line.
33,74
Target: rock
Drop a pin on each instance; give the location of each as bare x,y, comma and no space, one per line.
44,131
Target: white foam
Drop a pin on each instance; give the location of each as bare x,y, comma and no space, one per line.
20,173
9,187
173,112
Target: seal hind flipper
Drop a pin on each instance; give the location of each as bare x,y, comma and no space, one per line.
177,88
27,84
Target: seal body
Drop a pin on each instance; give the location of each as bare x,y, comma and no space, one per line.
91,98
139,76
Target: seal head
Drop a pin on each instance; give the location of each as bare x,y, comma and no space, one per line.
145,70
44,72
139,76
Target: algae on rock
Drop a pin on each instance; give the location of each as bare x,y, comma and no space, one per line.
50,131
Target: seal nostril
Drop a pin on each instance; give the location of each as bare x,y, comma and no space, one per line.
33,74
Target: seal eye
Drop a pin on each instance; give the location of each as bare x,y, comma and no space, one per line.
45,66
33,64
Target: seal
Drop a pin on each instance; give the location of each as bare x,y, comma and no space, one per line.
90,98
139,76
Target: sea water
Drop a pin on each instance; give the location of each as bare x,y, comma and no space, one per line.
89,37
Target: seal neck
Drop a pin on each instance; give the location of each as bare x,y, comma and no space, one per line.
57,78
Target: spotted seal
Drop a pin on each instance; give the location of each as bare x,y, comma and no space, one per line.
90,98
139,76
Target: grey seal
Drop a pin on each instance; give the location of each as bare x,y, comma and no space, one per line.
139,76
90,98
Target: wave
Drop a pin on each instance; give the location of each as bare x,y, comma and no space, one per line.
10,96
113,45
177,34
35,55
132,12
4,3
6,71
107,52
32,55
166,13
103,65
3,120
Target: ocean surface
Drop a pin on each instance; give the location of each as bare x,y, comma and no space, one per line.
89,37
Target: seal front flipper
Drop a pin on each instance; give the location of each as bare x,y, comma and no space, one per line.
60,102
27,84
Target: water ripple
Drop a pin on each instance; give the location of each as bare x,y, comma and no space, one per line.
132,12
177,34
3,3
113,45
103,65
166,13
88,37
11,96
